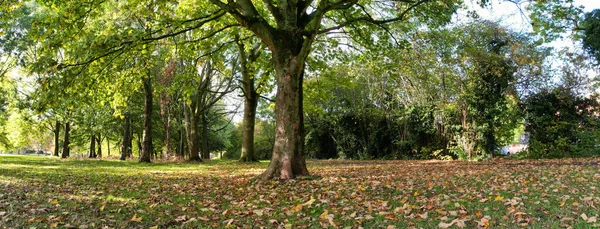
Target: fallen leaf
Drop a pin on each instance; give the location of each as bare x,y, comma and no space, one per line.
136,219
445,225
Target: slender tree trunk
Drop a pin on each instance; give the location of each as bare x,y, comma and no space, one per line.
127,146
65,152
147,148
168,134
56,138
204,138
181,144
108,146
139,145
250,101
99,140
287,161
249,122
92,153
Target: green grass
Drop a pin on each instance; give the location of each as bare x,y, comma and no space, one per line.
46,192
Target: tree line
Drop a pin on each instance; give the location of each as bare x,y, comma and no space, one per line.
318,79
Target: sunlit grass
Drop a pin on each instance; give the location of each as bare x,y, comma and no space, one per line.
45,191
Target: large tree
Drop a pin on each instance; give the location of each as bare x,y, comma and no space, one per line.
289,29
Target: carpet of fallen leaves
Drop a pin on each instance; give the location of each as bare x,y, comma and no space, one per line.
44,192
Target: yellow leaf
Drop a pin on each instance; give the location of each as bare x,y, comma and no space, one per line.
54,202
298,208
324,215
361,188
499,198
155,227
308,203
136,219
416,194
102,207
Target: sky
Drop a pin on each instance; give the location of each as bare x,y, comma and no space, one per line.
509,15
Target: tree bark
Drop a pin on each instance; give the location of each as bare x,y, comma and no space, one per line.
108,147
127,146
56,138
168,134
250,100
249,123
191,129
65,152
204,138
287,161
92,153
147,147
99,142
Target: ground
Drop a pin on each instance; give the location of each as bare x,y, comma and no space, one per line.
44,192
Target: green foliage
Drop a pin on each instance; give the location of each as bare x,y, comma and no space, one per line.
264,139
562,124
591,34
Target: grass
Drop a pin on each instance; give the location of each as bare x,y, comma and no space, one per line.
46,192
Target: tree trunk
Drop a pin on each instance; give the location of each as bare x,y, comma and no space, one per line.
287,161
92,153
249,121
139,145
168,134
99,140
204,138
65,152
191,129
56,138
127,146
182,143
147,147
250,101
108,147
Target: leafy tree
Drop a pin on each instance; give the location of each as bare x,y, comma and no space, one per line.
591,33
562,124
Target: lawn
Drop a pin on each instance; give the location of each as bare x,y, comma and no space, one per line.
45,192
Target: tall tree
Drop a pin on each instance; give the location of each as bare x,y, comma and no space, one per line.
289,31
248,58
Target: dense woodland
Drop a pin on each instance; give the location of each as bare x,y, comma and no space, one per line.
289,80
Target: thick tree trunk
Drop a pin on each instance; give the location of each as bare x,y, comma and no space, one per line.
127,146
248,123
287,161
56,138
204,138
191,129
92,153
147,147
65,151
99,142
